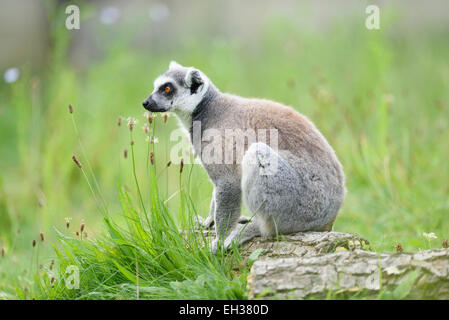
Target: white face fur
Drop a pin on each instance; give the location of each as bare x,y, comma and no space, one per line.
179,89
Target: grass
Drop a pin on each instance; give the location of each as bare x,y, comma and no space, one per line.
146,258
381,99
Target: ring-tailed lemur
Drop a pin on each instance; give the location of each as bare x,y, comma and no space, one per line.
304,191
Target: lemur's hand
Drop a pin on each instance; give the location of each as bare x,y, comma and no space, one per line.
205,224
208,223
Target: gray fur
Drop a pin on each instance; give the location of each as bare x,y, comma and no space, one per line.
303,193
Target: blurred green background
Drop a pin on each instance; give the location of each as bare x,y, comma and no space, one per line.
381,97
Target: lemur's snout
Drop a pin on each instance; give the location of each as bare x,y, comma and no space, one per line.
151,105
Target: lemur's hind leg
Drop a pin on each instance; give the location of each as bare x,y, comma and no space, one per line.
270,191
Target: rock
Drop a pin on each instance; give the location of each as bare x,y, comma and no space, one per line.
304,244
334,264
421,275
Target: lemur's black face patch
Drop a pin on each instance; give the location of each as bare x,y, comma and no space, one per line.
162,99
167,90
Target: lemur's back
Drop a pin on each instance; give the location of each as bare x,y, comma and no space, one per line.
298,139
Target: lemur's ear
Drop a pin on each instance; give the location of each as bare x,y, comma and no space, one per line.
174,64
193,80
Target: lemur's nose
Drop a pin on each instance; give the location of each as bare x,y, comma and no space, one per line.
145,103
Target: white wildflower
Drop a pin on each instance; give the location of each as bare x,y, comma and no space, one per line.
159,12
430,236
11,75
109,15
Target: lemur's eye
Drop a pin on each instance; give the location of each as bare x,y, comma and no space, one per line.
167,89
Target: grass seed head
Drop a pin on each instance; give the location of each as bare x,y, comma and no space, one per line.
34,243
82,227
70,108
119,121
165,117
146,128
42,236
125,153
131,123
149,117
152,157
181,166
77,162
399,248
3,252
445,244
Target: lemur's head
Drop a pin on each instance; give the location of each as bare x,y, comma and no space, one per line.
177,89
